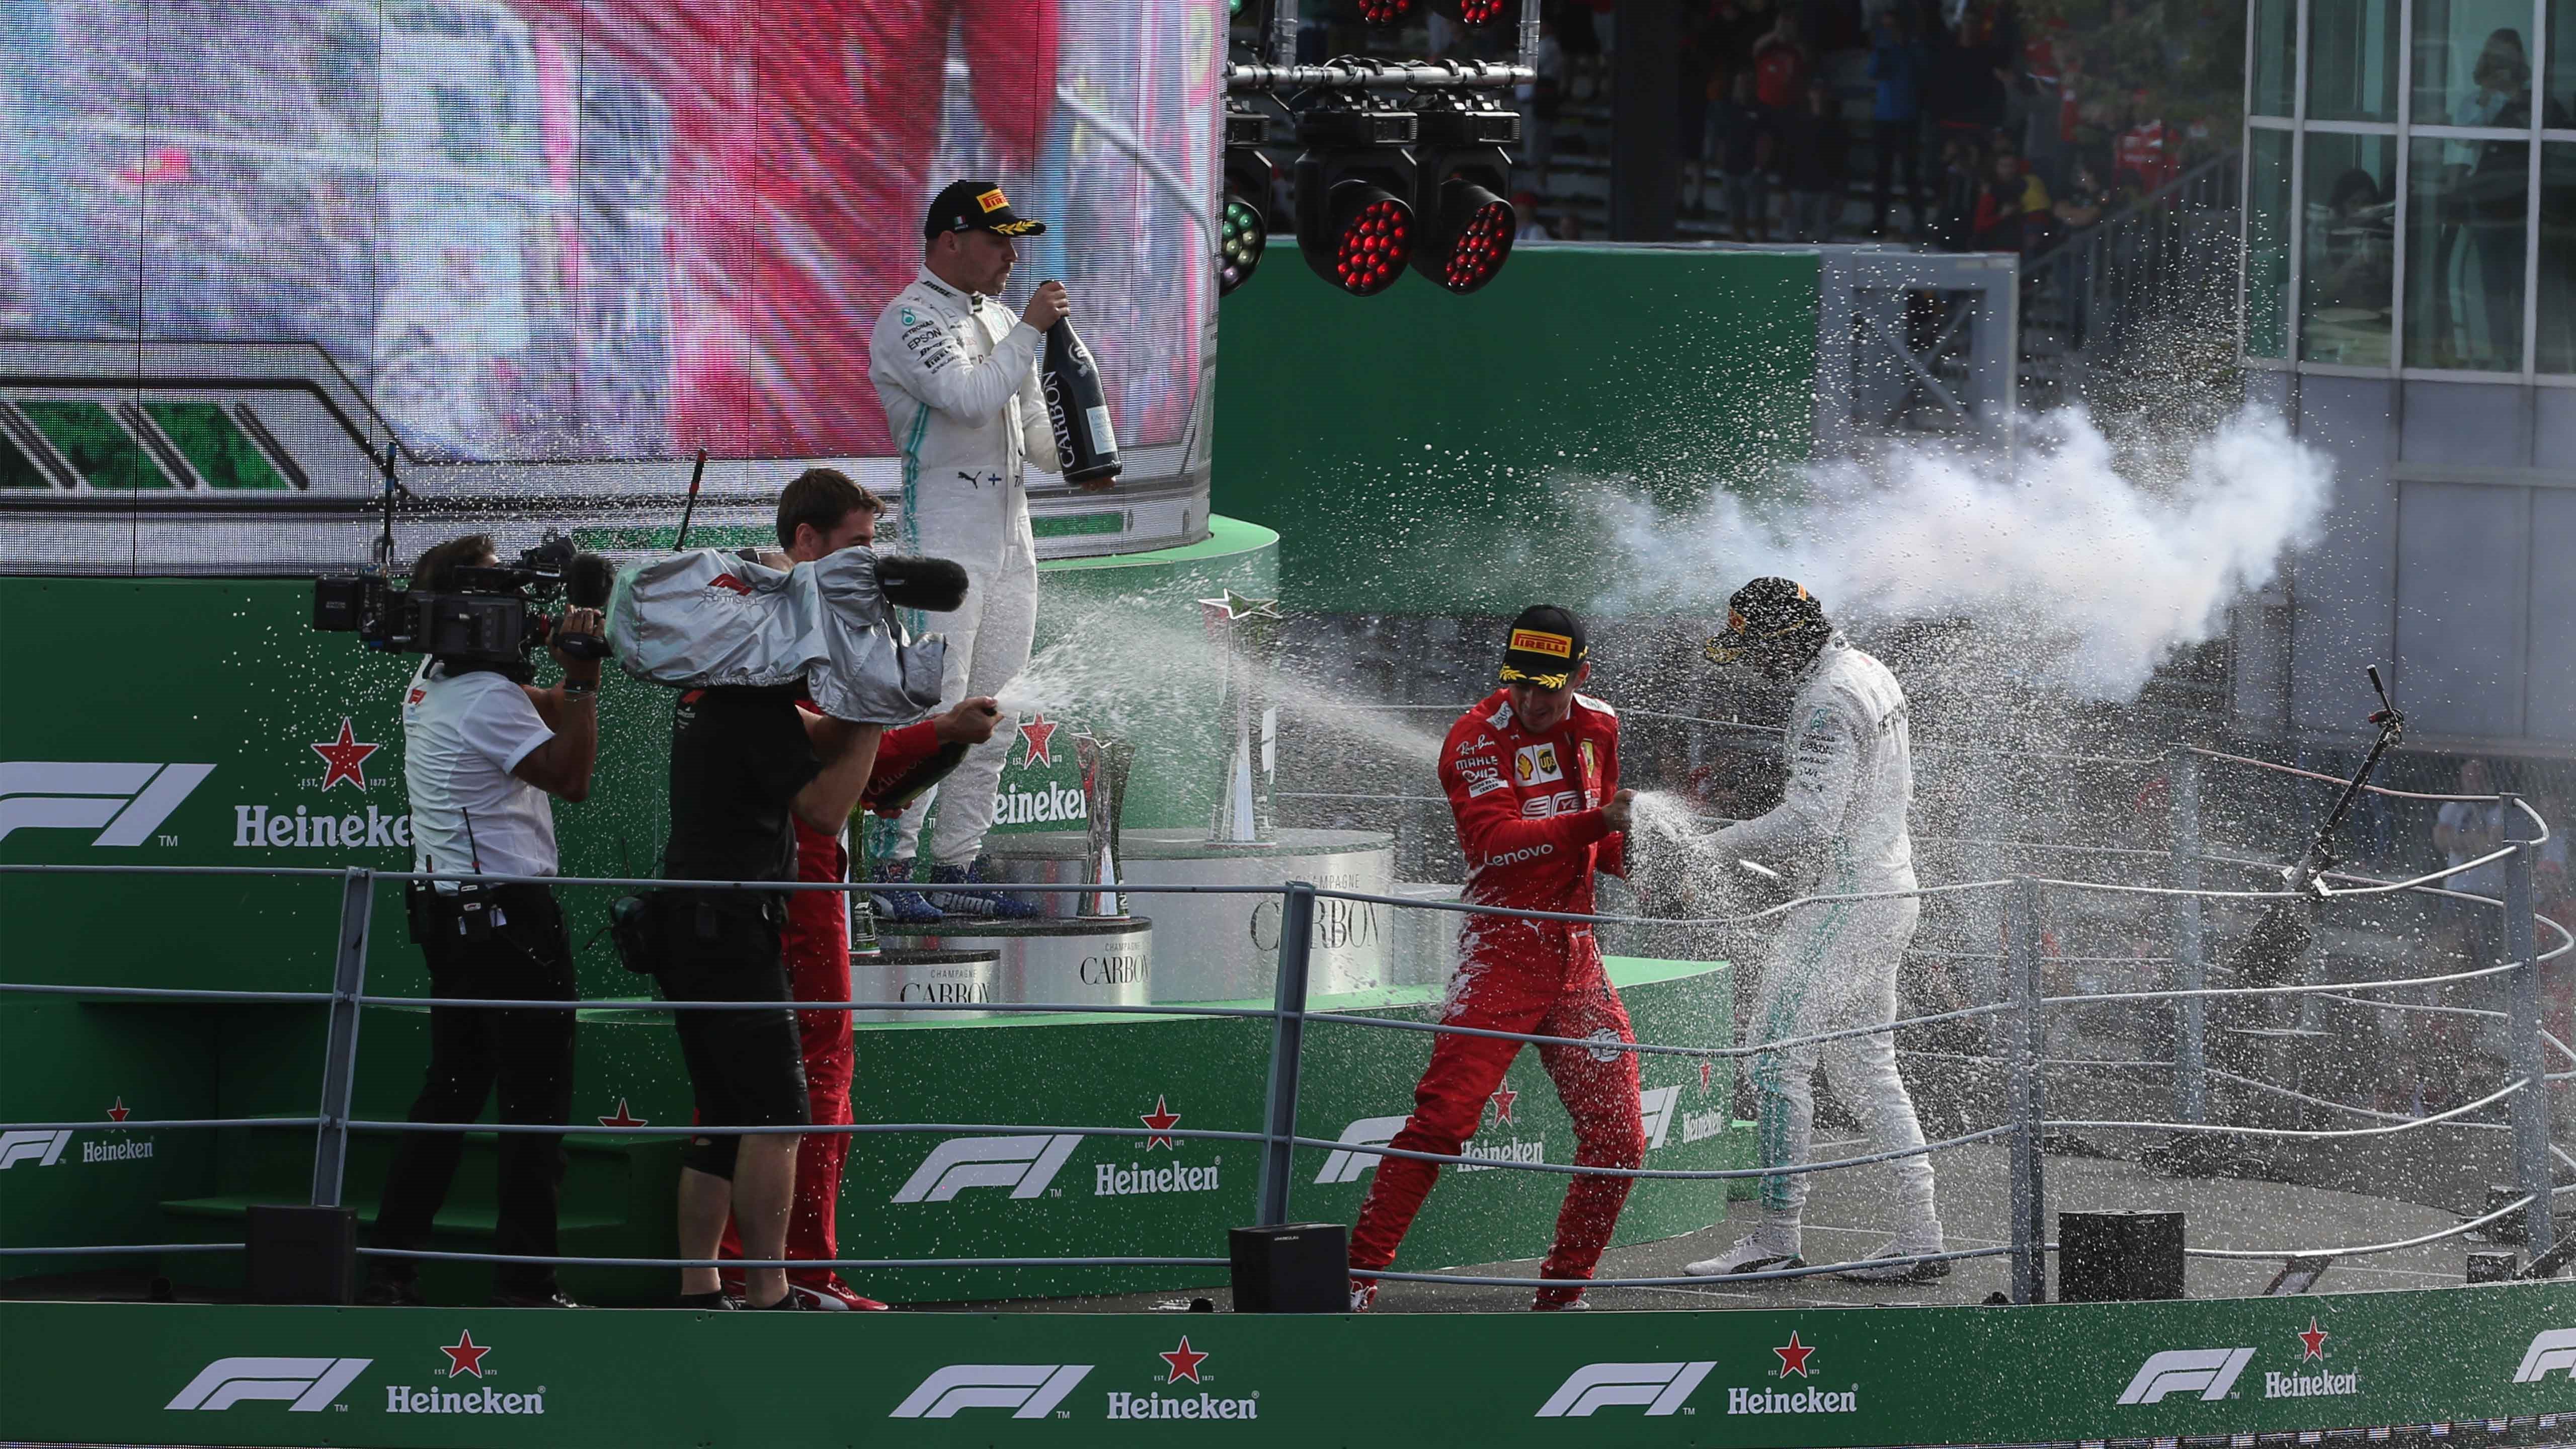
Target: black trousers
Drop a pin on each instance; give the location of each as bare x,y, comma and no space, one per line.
526,1054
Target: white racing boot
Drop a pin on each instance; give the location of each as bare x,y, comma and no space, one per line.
1772,1245
1890,1264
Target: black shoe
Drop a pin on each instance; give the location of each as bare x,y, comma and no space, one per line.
392,1293
545,1298
789,1302
718,1300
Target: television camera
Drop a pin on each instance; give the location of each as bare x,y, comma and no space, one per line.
488,615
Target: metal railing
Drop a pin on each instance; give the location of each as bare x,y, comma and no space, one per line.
2020,1013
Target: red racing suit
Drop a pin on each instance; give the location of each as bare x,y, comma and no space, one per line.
1531,827
817,943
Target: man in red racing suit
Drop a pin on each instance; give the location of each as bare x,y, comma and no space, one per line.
816,940
1532,773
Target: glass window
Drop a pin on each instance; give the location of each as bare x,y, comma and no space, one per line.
2267,243
2465,212
2352,60
2560,85
2558,257
2348,258
2473,62
2276,46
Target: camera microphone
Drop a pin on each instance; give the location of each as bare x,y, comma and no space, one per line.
932,585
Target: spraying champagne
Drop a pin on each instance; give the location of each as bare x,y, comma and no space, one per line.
1084,440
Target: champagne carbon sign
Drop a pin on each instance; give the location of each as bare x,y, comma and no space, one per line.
1727,1378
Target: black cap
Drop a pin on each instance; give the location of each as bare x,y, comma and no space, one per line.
1545,647
976,206
1762,610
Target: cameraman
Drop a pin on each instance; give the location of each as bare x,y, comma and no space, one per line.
747,767
483,748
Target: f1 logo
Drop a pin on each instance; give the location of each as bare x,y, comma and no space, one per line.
2210,1371
2551,1350
1661,1387
1346,1166
1029,1390
1025,1165
45,1148
130,800
307,1384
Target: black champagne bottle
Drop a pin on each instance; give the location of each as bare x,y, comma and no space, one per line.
1084,441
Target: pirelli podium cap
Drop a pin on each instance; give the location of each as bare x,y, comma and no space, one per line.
976,206
1544,648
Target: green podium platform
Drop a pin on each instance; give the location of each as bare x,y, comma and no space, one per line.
1048,1192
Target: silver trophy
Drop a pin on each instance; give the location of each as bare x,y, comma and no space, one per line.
1104,764
1246,635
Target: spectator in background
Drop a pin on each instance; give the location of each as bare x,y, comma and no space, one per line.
1747,155
1961,181
1527,226
1780,67
2006,207
1896,117
1813,148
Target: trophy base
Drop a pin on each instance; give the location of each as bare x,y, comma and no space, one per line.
1056,959
1226,947
898,973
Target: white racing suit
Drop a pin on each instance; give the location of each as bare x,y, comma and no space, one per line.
958,375
1840,828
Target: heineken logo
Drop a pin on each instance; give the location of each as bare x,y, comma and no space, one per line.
344,759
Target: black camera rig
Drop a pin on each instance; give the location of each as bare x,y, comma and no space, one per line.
485,617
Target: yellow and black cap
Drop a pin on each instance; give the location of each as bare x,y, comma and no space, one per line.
976,206
1545,647
1765,610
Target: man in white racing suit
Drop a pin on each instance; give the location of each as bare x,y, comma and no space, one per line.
1840,829
959,379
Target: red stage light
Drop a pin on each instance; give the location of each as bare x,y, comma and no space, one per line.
1370,249
1479,12
1385,12
1482,245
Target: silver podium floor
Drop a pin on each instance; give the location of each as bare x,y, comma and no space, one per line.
1847,1216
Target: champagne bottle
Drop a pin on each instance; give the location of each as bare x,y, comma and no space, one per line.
1084,442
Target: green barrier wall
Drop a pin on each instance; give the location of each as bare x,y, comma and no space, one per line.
1044,1196
1424,453
2127,1372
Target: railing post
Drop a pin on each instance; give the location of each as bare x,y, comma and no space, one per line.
2029,1198
2531,1104
340,1037
2191,965
1287,1040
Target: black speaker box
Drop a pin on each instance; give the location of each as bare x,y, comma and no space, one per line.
2120,1255
303,1254
1292,1268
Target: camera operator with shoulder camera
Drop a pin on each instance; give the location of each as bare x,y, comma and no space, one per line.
483,748
747,766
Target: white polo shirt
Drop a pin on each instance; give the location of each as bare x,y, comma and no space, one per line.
462,735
